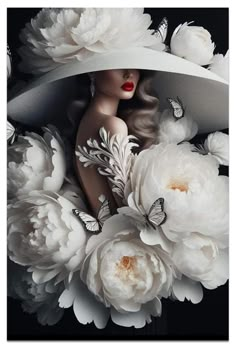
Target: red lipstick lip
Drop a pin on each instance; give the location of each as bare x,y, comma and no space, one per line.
128,86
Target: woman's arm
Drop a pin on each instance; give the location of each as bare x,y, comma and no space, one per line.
93,183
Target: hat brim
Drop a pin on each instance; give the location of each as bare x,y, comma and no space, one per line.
203,93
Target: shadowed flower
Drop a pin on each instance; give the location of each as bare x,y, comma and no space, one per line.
35,163
44,234
41,299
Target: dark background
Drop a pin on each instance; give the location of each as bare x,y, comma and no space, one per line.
207,320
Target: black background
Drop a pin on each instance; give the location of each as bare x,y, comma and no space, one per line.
204,321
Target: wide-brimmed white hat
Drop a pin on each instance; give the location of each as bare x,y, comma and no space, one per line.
203,93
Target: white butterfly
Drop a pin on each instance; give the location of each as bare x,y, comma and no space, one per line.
91,223
11,133
162,29
155,217
177,106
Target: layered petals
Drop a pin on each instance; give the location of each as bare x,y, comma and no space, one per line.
35,163
59,36
44,234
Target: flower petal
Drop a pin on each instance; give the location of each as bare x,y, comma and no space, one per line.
189,289
87,309
150,236
220,271
137,319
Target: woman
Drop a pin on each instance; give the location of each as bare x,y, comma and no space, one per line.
107,109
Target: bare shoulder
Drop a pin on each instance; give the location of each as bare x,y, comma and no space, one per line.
115,125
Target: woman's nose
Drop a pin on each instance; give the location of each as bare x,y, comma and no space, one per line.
131,73
127,74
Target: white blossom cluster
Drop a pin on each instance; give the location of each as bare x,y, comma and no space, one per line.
59,36
124,271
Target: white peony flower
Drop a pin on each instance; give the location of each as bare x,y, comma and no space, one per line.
172,130
192,43
41,299
35,163
44,234
195,196
220,65
200,258
217,145
57,36
123,275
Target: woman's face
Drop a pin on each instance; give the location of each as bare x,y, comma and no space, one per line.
119,83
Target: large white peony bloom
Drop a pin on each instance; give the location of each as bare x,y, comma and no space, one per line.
41,299
172,130
35,163
195,196
123,275
192,43
202,259
44,234
57,36
220,65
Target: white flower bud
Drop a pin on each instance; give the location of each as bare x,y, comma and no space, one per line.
192,43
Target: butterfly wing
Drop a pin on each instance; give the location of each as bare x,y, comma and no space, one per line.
181,106
162,29
177,107
104,212
10,131
156,215
91,223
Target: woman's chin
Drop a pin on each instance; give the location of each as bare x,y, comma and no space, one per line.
127,94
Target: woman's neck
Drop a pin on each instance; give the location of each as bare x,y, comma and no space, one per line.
105,104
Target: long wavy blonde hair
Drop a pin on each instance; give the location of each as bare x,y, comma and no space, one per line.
138,112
